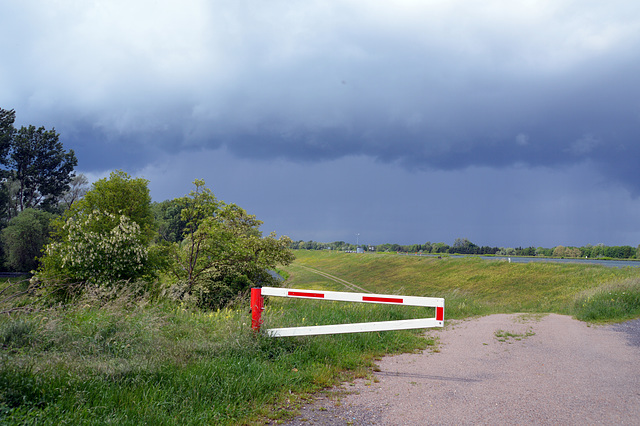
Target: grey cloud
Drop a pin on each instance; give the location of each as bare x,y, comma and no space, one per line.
421,85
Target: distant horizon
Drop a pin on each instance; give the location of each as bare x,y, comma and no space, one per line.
362,244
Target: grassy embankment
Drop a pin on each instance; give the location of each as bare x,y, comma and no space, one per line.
475,286
132,362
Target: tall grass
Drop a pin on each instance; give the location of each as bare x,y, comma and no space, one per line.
612,302
123,360
161,364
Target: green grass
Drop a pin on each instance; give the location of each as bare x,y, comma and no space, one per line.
135,362
474,286
612,302
159,364
11,292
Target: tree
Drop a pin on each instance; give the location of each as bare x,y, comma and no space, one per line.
464,246
559,251
7,118
201,207
78,188
40,167
36,170
168,220
439,248
529,251
119,194
104,236
222,252
572,252
24,237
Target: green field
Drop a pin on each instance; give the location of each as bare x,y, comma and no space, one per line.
476,286
143,360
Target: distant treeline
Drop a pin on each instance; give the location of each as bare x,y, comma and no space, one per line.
464,246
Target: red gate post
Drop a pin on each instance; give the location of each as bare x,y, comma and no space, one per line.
256,308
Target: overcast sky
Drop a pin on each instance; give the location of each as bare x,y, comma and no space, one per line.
507,122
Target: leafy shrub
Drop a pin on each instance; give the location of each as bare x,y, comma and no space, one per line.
222,253
24,237
89,254
216,291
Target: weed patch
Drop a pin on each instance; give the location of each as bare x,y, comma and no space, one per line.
506,336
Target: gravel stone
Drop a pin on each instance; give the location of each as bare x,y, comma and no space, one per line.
499,369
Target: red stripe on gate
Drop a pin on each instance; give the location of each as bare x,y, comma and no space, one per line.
303,294
381,299
439,313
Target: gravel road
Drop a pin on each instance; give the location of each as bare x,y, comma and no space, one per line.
499,369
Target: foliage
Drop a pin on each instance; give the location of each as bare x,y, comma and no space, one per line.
464,246
78,188
190,261
561,251
119,194
103,237
89,254
35,168
168,220
613,252
39,167
222,250
7,118
24,238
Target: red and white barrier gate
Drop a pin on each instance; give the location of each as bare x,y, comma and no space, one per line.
257,308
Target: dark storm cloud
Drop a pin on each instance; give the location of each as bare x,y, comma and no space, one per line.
462,90
560,121
333,200
417,84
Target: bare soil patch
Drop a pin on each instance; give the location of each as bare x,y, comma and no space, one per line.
499,369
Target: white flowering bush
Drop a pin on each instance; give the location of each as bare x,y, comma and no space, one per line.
100,248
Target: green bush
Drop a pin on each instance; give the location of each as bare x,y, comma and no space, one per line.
222,252
24,237
100,248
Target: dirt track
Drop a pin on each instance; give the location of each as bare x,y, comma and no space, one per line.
555,370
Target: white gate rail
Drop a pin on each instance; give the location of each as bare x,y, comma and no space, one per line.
257,308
